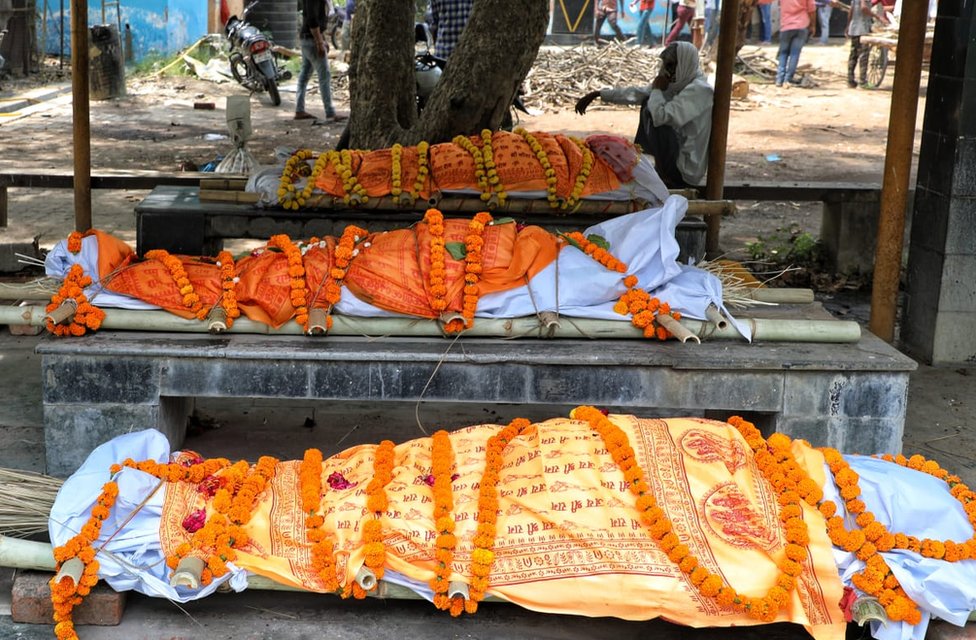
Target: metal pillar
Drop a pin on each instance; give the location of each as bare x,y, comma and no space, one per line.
897,169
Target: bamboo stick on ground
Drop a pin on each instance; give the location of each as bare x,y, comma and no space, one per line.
835,331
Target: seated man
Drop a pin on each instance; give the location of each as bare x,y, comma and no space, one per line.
676,115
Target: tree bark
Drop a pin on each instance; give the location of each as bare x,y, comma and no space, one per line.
493,55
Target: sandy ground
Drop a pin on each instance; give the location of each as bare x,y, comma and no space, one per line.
824,132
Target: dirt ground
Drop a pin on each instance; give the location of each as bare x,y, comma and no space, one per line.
822,132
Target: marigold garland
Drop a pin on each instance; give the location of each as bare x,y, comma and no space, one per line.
584,174
396,170
660,528
353,192
543,158
296,269
491,172
74,241
596,252
483,554
438,256
224,530
948,550
473,266
442,465
323,553
343,254
295,168
872,537
190,298
485,173
423,169
376,505
644,311
228,284
66,593
86,315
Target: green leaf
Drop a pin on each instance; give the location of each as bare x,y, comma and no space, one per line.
499,221
457,250
599,241
568,239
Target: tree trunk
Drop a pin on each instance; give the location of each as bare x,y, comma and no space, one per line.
495,52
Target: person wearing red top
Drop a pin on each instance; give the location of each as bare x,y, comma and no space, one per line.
795,18
686,11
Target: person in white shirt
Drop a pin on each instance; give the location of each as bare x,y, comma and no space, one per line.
676,115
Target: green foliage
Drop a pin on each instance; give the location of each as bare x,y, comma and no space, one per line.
150,63
457,250
787,246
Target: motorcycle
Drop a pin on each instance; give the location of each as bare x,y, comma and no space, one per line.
253,62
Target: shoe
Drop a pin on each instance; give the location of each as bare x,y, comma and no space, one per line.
779,83
795,81
337,117
851,84
868,85
304,115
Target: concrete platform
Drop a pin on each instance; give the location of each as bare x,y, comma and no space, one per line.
849,396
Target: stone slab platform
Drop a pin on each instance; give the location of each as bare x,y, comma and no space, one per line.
849,396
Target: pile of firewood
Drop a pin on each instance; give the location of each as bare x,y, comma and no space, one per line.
559,77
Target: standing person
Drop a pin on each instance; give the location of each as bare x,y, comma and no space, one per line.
347,24
686,11
795,19
645,8
606,10
675,117
824,9
858,24
448,19
315,51
712,15
765,21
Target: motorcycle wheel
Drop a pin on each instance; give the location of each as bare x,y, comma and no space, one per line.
238,68
272,87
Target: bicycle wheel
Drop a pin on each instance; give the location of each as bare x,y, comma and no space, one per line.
877,65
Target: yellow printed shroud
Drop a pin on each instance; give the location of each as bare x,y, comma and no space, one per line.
569,536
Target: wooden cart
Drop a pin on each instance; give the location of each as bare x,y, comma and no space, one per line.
881,52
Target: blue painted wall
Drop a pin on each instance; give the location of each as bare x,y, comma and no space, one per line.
160,27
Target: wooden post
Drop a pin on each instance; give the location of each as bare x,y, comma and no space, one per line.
898,166
715,180
81,125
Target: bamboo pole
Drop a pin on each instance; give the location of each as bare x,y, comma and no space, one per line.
17,553
777,295
715,179
898,167
834,331
81,125
453,204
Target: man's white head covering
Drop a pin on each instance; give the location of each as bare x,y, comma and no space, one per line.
687,70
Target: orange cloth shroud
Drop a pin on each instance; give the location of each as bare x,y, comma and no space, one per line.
390,271
452,168
569,537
